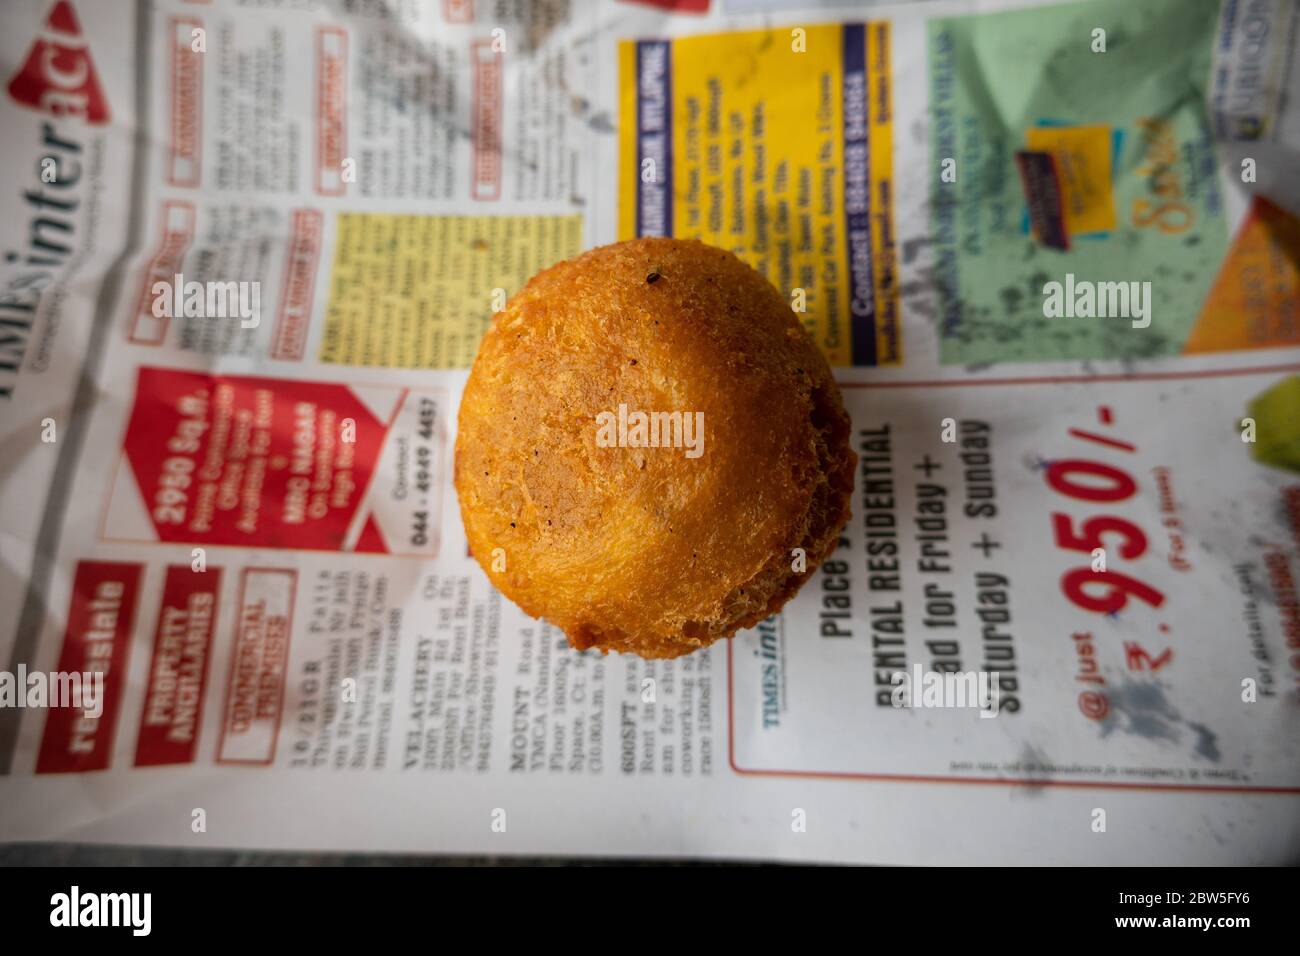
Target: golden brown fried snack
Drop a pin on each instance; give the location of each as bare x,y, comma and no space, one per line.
654,551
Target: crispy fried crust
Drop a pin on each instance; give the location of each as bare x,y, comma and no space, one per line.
644,550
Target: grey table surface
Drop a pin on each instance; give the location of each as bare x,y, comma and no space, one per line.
85,854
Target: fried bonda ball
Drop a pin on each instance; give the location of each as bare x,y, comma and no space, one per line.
651,452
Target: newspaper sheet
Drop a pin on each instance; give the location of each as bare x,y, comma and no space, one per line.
1051,250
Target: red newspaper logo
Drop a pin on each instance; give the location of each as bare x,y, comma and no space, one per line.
58,76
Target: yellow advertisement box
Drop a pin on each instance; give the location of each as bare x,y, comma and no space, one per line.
419,291
778,145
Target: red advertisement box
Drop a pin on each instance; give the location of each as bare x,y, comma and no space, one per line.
485,172
276,463
97,638
177,226
331,110
301,260
250,721
185,148
458,11
178,668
